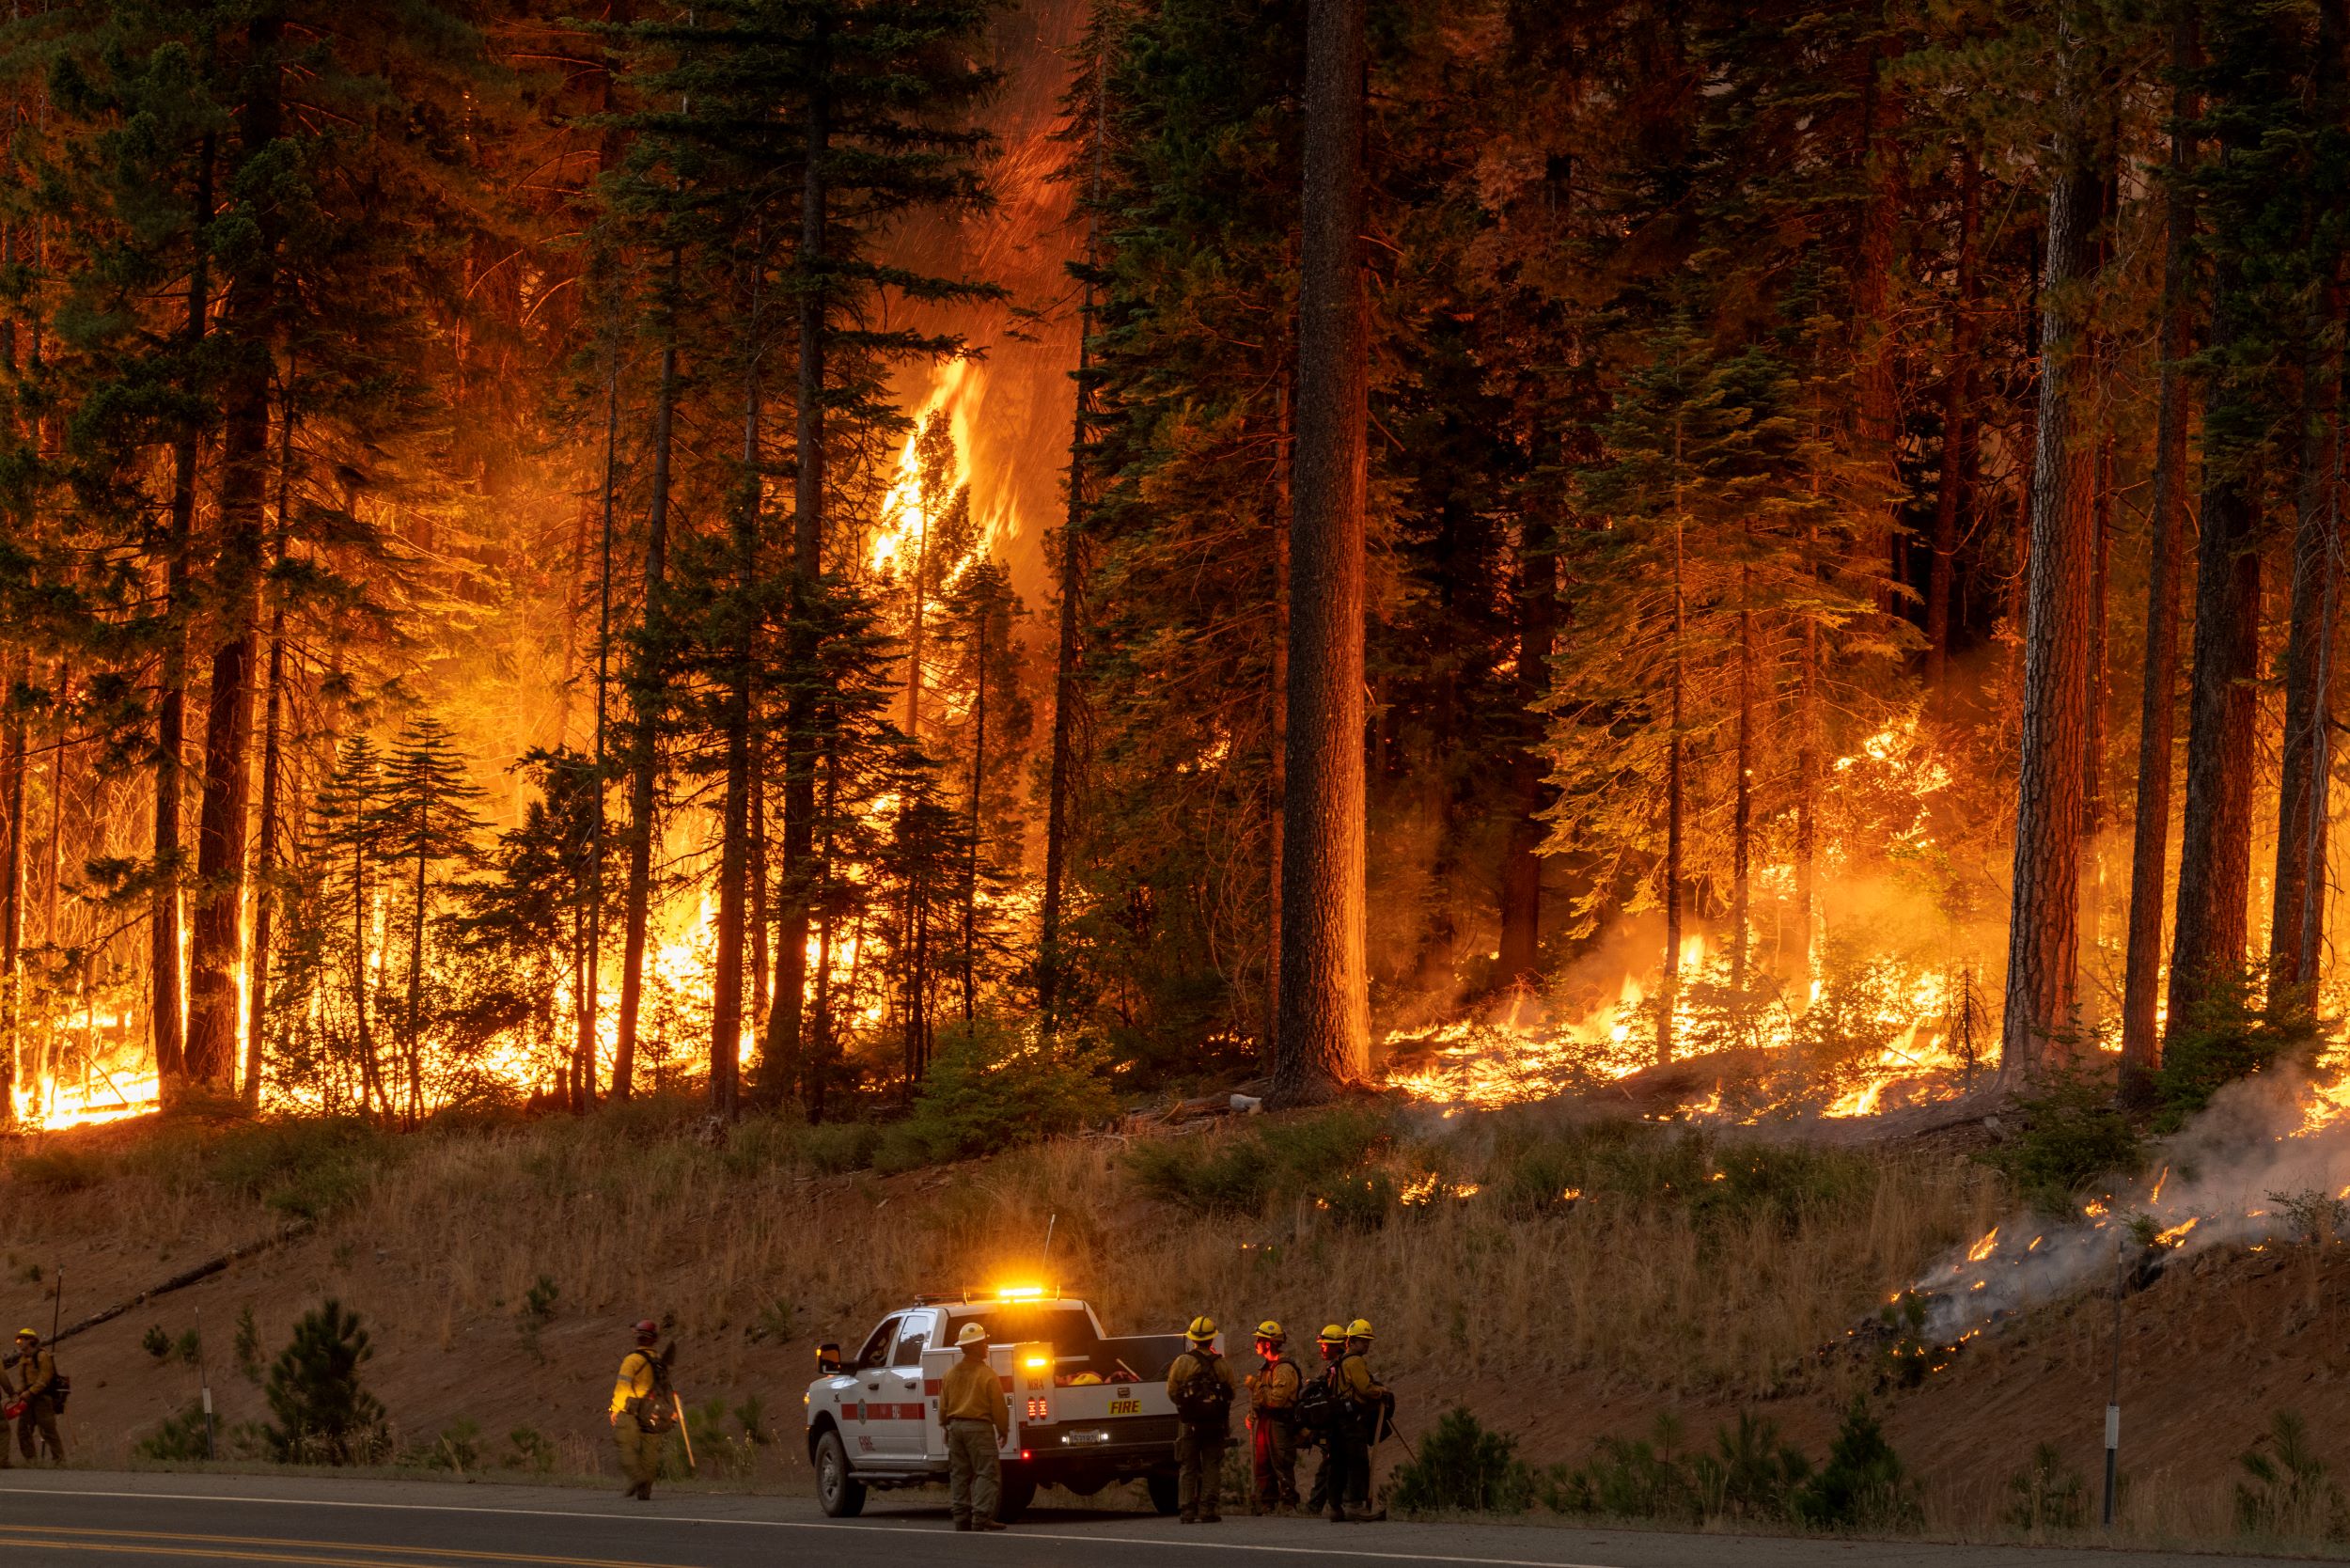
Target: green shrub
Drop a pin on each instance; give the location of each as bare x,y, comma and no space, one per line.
1751,1475
837,1148
250,1346
1315,1157
1863,1485
458,1447
2069,1141
324,1414
2226,1035
56,1171
304,1169
2046,1495
156,1342
1721,1181
539,1301
2285,1490
990,1088
1634,1477
1208,1176
1462,1467
183,1439
528,1449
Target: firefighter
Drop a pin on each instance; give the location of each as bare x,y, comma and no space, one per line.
40,1397
641,1412
972,1410
1363,1406
1332,1343
1201,1386
1273,1390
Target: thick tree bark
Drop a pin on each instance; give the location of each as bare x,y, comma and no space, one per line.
274,704
2301,795
1537,609
1808,808
647,685
1877,407
168,1025
1958,389
2044,948
1742,786
725,1003
1668,993
971,865
2158,701
1325,1020
586,1038
218,943
784,1068
13,822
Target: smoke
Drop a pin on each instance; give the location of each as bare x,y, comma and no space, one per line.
2268,1160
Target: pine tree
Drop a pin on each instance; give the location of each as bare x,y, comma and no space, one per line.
430,837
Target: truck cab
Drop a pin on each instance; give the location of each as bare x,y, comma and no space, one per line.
1087,1409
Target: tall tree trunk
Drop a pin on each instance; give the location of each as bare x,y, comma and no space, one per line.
1668,993
1742,802
1878,404
1537,614
2158,701
726,1005
274,704
2044,948
2215,836
1325,1030
648,685
13,822
2301,793
783,1069
169,1026
370,1074
1958,397
971,868
1808,808
586,1040
414,1030
1068,650
217,947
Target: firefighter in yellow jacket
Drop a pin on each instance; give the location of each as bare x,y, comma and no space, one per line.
637,1425
971,1407
1201,1386
38,1370
1273,1390
1364,1407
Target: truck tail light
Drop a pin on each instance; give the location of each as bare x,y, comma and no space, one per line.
1039,1409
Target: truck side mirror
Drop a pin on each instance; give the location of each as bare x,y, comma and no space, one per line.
828,1359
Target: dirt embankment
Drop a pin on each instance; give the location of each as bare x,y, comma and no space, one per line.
496,1270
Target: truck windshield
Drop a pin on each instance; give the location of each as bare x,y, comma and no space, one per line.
1068,1328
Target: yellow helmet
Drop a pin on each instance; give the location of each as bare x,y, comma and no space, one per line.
1202,1329
1358,1329
973,1334
28,1333
1332,1333
1270,1330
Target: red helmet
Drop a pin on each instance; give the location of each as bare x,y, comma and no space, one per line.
648,1329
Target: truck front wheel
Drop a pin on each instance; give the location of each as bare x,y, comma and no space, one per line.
1164,1496
840,1493
1018,1490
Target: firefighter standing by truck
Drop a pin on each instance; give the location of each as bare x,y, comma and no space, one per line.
40,1397
1364,1407
971,1407
643,1411
1200,1385
1273,1390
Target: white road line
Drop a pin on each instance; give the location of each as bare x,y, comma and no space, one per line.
1011,1535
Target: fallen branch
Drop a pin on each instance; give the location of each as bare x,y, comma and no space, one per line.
180,1281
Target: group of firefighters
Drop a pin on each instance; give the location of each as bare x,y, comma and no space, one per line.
1344,1409
33,1399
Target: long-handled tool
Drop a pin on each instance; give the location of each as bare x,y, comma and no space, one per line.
683,1430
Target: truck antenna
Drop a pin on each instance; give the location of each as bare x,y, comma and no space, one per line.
1044,1262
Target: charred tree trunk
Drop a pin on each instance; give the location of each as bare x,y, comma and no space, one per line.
2044,947
1808,806
1878,404
585,1039
1958,398
1669,992
250,323
2215,839
12,819
647,685
2301,795
168,1025
2158,701
274,706
783,1071
1521,852
725,1003
1325,1019
971,865
1742,800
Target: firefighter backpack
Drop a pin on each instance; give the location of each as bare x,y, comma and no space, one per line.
656,1412
1202,1398
1318,1405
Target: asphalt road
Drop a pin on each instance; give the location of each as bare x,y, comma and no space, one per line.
84,1519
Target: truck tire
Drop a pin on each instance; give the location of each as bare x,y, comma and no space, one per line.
841,1495
1164,1495
1017,1492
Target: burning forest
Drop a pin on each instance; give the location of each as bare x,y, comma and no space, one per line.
1770,567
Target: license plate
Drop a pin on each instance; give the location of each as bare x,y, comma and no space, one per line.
1076,1438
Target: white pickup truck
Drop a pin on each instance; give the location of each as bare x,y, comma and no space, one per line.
1087,1409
